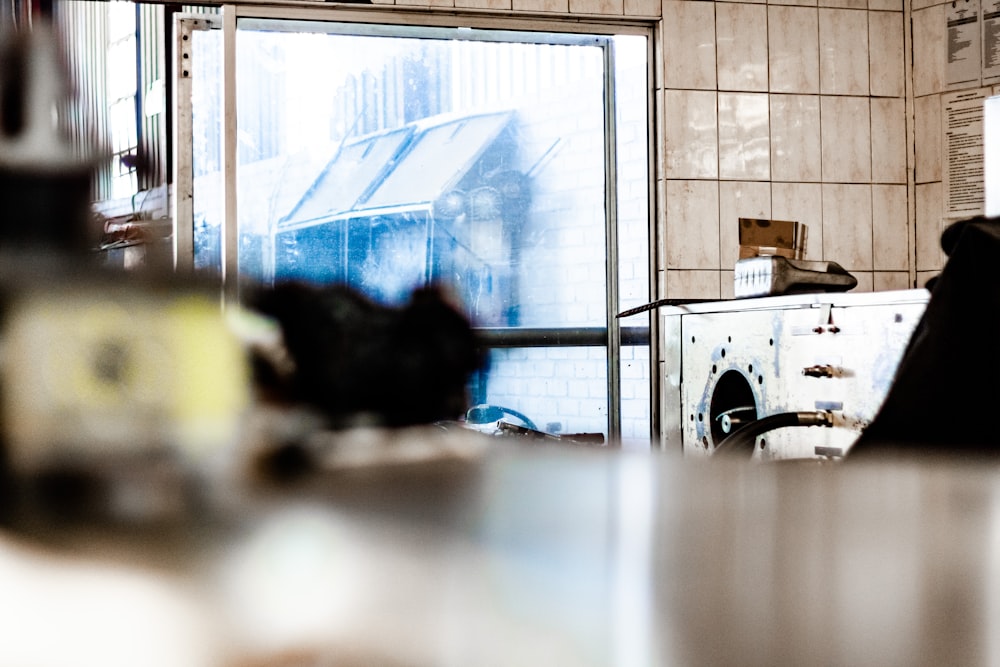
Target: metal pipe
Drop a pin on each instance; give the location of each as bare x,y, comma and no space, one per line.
509,337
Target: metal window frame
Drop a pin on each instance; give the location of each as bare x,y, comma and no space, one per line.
480,27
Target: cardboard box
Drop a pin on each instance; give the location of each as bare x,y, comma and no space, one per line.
759,236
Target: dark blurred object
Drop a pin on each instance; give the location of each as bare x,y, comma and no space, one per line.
942,400
114,394
44,180
359,362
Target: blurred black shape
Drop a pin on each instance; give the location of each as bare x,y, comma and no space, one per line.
944,395
358,361
44,181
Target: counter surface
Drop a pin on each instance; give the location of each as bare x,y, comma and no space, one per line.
539,555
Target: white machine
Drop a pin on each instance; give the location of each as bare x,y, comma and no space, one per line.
801,375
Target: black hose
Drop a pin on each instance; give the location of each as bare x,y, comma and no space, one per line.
743,439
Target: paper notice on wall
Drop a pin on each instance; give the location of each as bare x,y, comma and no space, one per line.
991,154
962,118
991,41
964,64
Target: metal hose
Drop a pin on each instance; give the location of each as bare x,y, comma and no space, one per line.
743,439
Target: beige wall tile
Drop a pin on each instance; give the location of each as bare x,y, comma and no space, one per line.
643,7
597,7
660,116
844,4
727,284
741,44
890,229
885,48
744,146
692,225
846,139
802,202
689,44
794,3
924,4
692,141
661,224
554,6
928,50
843,52
847,225
796,152
739,199
793,49
866,281
924,276
692,284
928,137
886,281
886,5
888,140
929,225
484,4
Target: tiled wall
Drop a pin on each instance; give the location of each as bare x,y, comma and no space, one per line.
789,111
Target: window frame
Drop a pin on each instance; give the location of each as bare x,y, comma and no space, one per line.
612,337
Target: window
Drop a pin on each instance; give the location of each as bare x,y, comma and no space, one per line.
121,77
114,54
510,166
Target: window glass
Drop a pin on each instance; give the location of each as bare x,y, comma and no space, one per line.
206,150
632,165
388,157
401,161
121,92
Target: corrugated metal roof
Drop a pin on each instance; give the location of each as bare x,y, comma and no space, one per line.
350,174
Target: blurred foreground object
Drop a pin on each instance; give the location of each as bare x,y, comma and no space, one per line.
356,361
548,556
122,393
942,399
114,389
44,179
60,608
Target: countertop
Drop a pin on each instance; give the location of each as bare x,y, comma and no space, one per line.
497,554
